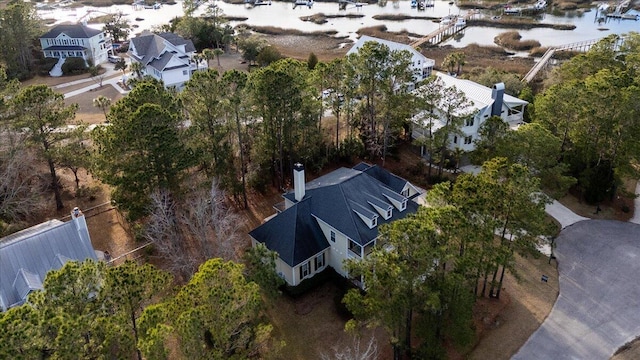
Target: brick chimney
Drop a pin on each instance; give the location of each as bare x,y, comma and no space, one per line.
298,181
497,94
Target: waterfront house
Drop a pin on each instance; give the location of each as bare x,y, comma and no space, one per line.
28,255
485,102
166,57
76,40
333,218
421,65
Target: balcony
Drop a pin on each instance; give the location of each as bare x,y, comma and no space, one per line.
353,254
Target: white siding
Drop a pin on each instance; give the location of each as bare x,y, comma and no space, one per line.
285,271
175,77
338,250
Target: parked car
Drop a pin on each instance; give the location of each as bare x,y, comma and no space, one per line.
114,59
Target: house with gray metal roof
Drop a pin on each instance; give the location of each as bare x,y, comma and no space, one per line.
27,256
333,218
484,103
76,40
166,57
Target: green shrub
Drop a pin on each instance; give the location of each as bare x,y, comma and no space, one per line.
45,65
74,66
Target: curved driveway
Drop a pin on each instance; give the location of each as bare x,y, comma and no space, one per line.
598,309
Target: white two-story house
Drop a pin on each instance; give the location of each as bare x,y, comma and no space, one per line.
166,57
485,102
77,40
420,64
333,218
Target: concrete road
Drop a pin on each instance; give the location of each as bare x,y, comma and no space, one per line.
562,214
598,309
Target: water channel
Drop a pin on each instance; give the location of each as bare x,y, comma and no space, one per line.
284,15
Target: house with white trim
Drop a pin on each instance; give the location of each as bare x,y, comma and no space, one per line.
166,57
420,64
77,40
485,102
28,255
333,218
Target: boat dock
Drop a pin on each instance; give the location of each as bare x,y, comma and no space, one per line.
582,46
450,25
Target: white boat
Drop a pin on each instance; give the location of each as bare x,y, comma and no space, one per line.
512,10
540,5
414,4
447,19
154,6
461,22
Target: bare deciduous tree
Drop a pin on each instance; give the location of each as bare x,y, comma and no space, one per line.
21,189
163,230
194,229
358,349
208,219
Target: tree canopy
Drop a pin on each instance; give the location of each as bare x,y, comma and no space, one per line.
20,28
143,148
217,315
599,126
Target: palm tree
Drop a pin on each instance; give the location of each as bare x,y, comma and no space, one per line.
217,52
121,65
103,103
459,57
136,68
197,58
457,157
208,54
449,63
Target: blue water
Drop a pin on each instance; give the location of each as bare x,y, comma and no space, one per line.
282,14
586,29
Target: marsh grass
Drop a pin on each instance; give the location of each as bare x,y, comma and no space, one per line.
511,40
321,18
273,30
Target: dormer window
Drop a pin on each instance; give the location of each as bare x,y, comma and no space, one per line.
397,200
367,216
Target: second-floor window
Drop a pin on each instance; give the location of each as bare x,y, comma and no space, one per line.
468,122
468,140
333,236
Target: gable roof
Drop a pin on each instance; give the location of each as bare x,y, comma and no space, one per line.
76,31
479,94
336,199
392,45
27,256
150,47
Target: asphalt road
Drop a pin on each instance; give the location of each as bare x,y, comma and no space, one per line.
598,309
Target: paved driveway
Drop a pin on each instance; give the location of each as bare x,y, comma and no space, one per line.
598,309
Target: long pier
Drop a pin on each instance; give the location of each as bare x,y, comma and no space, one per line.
582,46
437,36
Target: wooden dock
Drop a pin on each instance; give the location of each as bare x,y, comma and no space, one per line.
582,46
444,31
